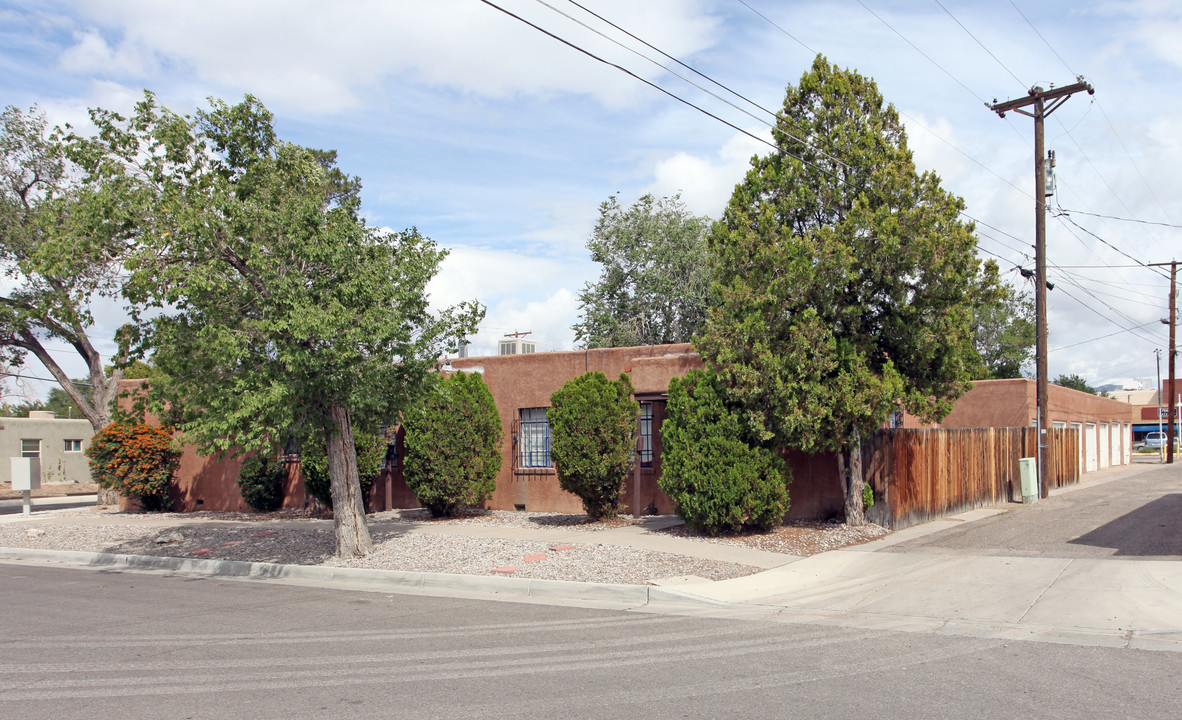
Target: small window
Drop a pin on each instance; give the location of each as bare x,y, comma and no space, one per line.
73,446
646,435
30,448
390,461
534,439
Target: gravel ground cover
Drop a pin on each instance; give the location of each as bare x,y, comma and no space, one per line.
288,538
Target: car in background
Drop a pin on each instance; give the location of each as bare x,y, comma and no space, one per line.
1157,439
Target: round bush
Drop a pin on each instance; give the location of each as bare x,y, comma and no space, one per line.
453,444
260,480
371,450
136,460
720,482
593,423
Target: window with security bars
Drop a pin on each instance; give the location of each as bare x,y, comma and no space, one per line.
533,442
73,446
645,446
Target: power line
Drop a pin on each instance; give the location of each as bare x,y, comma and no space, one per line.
628,72
658,64
667,55
34,377
757,119
1122,219
1102,337
769,22
1061,217
974,37
921,52
1040,37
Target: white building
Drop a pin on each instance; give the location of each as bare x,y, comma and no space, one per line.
59,444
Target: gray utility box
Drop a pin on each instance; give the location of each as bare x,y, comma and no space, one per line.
1028,471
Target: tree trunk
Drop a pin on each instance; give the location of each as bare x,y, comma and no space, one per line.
849,463
348,507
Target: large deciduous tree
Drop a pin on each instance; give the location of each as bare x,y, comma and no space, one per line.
61,250
846,279
654,285
1004,331
279,311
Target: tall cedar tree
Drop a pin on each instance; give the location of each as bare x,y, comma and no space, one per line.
720,481
279,310
654,285
846,279
593,423
453,444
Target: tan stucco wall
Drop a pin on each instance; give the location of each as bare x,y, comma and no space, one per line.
1012,403
57,465
527,381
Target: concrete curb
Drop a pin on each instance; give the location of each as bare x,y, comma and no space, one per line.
393,581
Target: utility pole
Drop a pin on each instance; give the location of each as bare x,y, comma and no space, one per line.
1043,103
1170,414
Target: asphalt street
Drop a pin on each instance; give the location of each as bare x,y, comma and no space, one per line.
1135,515
89,644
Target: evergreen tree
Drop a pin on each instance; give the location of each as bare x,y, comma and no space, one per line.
846,279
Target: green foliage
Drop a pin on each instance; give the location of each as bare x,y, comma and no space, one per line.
58,402
277,308
260,480
719,481
846,277
62,253
1003,326
1075,382
453,444
867,495
593,426
136,460
654,285
370,447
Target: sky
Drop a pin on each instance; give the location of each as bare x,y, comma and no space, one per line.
500,141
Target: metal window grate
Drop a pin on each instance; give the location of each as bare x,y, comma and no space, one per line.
645,444
533,439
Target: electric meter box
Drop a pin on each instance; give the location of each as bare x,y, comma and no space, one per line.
1028,472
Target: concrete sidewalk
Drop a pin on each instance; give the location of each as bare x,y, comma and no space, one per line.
1110,602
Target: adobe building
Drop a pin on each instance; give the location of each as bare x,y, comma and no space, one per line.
1105,425
522,383
208,482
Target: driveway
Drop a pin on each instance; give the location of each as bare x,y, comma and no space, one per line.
1128,514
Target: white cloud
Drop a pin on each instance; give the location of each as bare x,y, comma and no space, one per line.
326,57
706,183
520,292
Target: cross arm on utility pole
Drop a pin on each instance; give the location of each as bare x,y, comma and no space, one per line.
1038,94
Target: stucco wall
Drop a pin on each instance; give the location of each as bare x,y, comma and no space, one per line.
57,465
527,381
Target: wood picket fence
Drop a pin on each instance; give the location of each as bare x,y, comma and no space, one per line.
919,475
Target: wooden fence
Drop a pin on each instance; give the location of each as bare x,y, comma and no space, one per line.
919,475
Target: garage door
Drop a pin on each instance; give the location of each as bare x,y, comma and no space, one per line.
1091,451
1105,443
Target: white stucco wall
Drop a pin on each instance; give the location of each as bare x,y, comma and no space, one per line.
57,464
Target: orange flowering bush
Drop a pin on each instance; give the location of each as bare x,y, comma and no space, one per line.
137,460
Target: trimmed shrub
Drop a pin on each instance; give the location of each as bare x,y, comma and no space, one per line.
136,460
453,444
260,480
719,481
371,450
593,425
